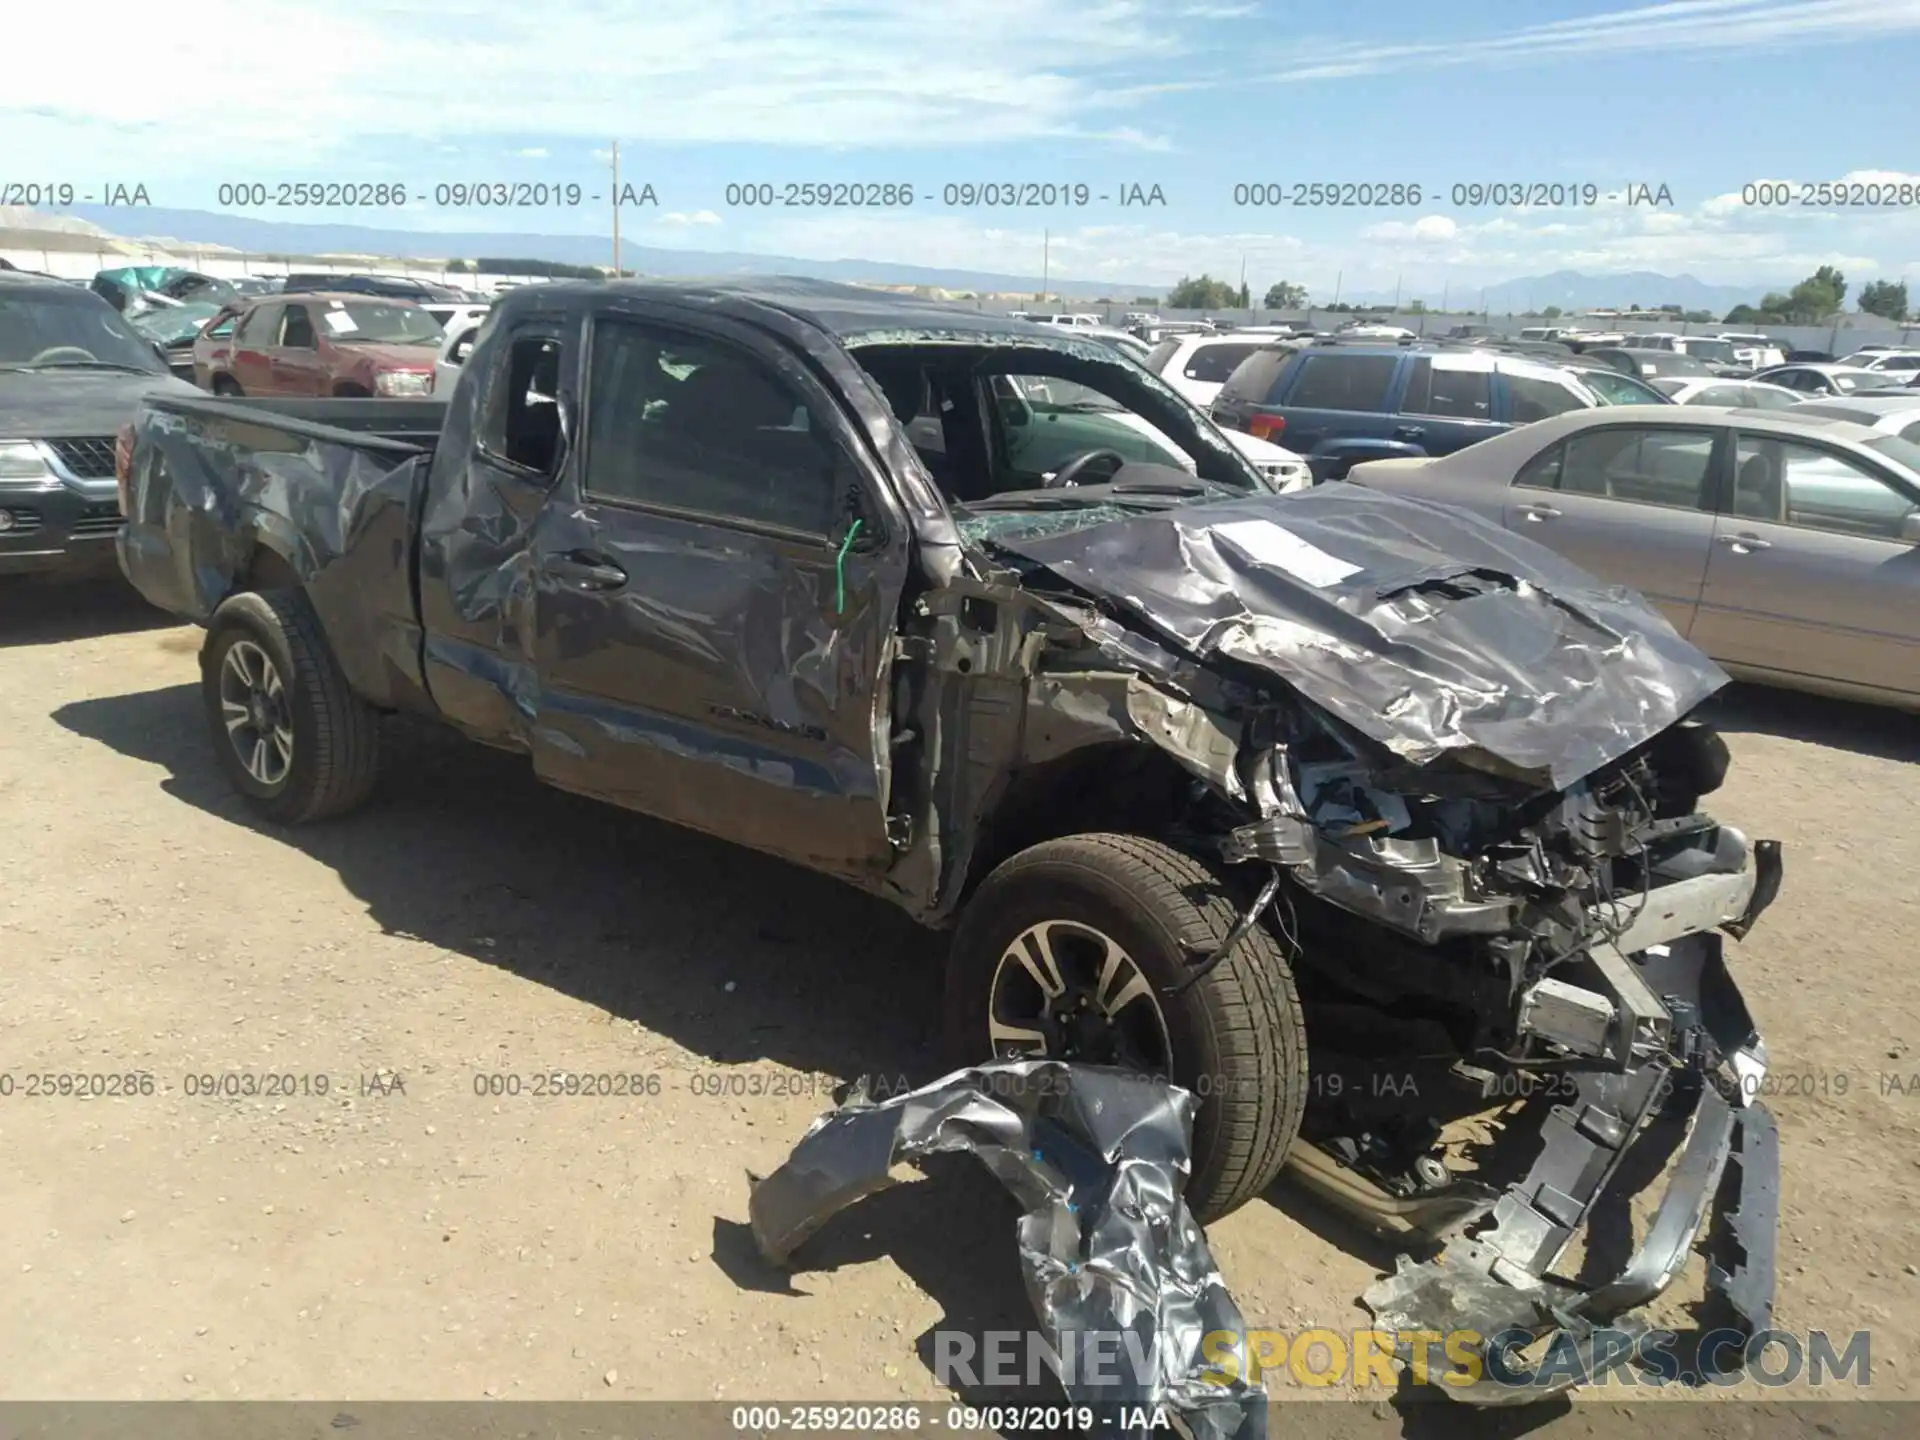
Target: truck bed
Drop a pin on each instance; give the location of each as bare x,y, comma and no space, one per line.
236,493
413,423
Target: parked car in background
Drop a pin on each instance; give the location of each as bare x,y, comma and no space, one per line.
1363,330
450,313
1781,542
320,344
456,343
1717,355
247,286
1198,365
1888,414
72,371
135,289
1646,363
391,287
1732,394
212,344
1125,341
1754,350
1285,470
173,331
1340,404
1613,387
1824,379
1474,332
1902,363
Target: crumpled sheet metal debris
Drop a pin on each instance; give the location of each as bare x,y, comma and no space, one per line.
1098,1160
1425,628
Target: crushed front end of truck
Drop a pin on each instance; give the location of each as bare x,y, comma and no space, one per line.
1463,781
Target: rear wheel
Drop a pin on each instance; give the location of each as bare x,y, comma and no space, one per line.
293,739
1074,949
226,385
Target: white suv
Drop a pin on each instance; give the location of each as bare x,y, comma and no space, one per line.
1198,365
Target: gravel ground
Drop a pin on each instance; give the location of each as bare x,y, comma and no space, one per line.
405,1236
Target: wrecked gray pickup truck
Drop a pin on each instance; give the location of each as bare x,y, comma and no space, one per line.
1352,814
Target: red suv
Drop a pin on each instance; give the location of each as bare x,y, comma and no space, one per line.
319,344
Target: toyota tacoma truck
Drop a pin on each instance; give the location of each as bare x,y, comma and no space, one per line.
1360,818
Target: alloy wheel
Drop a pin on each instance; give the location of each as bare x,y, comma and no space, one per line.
253,703
1067,991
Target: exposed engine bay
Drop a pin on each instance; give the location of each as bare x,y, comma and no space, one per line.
1473,810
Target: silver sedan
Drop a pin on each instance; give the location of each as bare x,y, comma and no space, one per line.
1784,544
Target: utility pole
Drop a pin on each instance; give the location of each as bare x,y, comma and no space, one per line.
1243,279
1046,255
616,209
1396,293
1444,288
1338,276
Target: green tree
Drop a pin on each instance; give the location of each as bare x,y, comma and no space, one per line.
1698,317
1885,298
1202,293
1819,295
1552,312
1284,295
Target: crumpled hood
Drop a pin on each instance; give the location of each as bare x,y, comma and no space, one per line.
1420,625
62,404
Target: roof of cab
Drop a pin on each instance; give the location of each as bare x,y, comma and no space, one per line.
844,311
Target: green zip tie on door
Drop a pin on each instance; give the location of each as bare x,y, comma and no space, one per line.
840,569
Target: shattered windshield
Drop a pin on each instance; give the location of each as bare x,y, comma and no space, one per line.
1062,435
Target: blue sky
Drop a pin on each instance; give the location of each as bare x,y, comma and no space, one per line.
1196,96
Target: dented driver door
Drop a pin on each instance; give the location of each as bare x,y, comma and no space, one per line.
716,596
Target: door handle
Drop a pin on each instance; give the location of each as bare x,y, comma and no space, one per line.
585,571
1409,432
1745,544
1537,513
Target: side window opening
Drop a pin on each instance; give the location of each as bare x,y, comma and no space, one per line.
691,423
523,421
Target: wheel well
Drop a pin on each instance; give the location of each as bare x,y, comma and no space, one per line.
267,570
346,390
1133,789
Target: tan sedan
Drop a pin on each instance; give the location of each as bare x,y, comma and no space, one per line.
1787,546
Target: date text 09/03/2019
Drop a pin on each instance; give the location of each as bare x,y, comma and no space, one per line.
1460,195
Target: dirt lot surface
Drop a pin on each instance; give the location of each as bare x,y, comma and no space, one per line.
404,1236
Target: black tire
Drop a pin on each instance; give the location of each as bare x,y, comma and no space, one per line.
1238,1039
226,385
335,734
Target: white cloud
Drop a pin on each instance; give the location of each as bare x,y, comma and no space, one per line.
532,152
871,74
1428,230
1674,25
697,217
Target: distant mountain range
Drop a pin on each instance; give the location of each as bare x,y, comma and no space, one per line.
1571,290
296,238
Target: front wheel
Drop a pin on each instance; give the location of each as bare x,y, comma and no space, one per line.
293,739
1073,950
